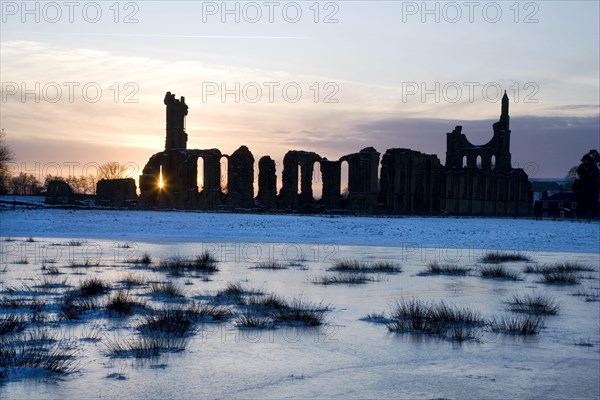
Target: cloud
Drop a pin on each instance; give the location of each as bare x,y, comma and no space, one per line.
366,114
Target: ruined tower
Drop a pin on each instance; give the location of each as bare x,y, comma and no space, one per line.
480,179
494,155
176,112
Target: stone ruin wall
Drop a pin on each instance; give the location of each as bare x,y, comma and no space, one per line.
409,182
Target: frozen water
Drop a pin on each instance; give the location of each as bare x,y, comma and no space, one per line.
346,357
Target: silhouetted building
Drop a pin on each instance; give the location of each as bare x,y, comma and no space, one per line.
480,180
116,193
58,192
476,180
410,182
559,205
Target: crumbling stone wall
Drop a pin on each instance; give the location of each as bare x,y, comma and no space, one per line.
58,192
240,179
410,182
298,165
363,180
116,192
267,183
331,173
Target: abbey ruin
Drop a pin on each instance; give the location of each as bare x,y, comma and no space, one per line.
475,180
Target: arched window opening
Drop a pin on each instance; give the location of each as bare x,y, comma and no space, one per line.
200,174
344,180
317,181
224,179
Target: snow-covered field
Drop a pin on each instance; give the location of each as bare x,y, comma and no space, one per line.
346,357
465,233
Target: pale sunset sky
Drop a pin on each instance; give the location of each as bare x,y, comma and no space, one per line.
84,82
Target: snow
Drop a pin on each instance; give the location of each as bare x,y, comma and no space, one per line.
407,232
348,357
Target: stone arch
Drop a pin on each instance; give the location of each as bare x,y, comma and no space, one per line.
344,178
161,183
200,173
299,180
224,176
317,181
478,161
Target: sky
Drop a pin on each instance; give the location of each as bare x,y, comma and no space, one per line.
83,83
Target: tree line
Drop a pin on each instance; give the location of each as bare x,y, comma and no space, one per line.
28,184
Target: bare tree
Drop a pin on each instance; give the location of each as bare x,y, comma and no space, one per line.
6,156
111,170
82,184
24,185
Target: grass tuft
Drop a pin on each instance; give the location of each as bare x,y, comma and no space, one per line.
28,356
534,304
130,280
122,303
496,257
92,287
254,321
177,265
435,268
167,322
567,267
12,324
561,278
207,312
440,319
349,266
344,279
144,346
168,288
301,312
518,325
498,272
73,307
271,264
234,293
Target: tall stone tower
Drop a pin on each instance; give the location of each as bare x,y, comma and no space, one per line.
176,112
502,138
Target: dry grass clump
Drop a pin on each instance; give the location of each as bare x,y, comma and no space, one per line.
30,355
73,307
496,257
440,319
498,272
177,265
558,267
12,323
272,310
235,293
271,264
254,321
93,286
561,278
518,325
346,278
123,303
435,268
382,267
168,288
534,304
